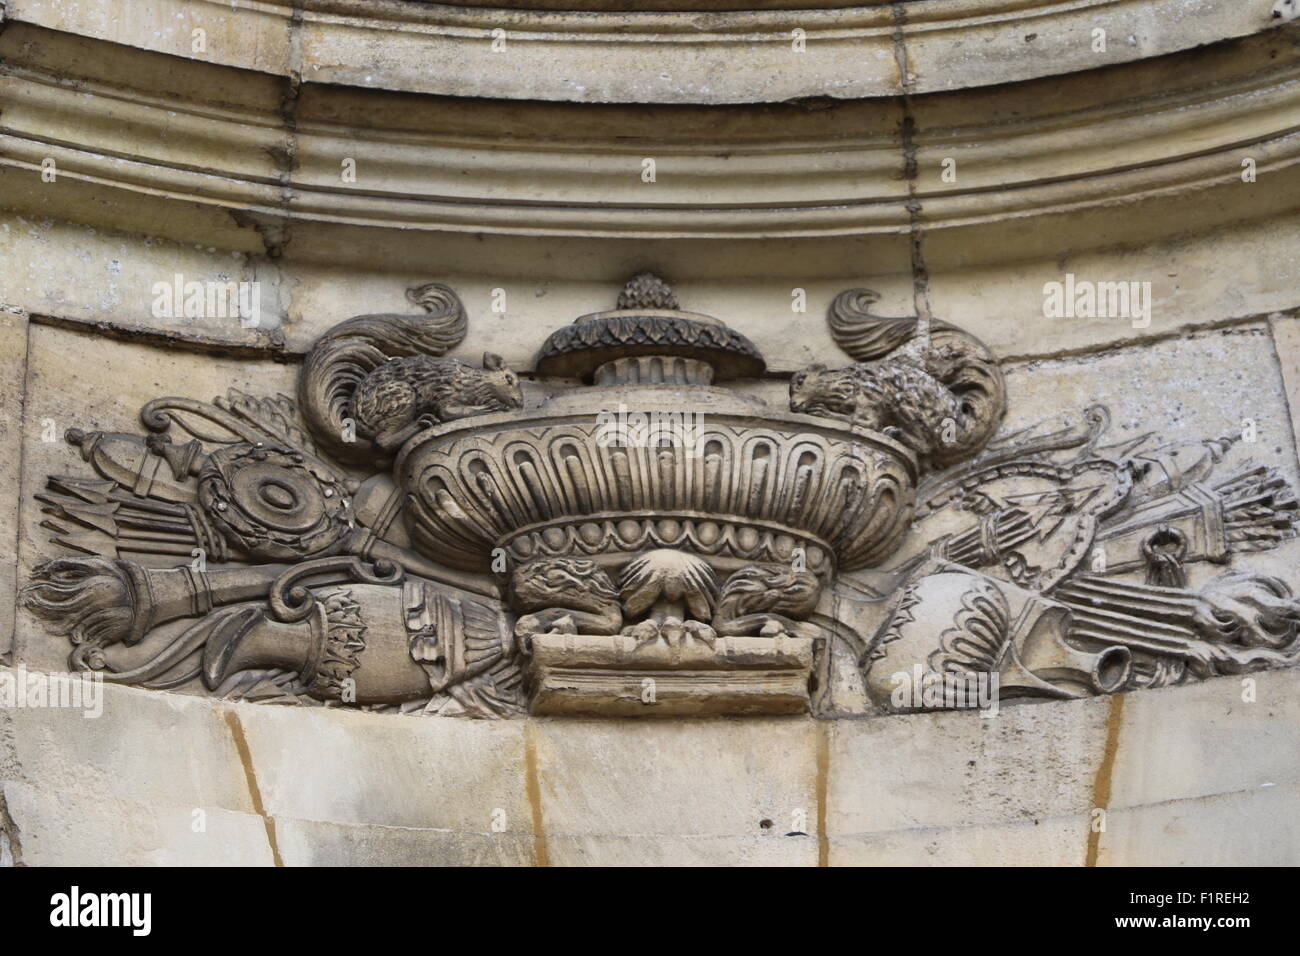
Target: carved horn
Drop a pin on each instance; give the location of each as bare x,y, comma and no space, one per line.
1047,665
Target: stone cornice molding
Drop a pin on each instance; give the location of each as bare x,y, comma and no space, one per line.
662,57
1153,129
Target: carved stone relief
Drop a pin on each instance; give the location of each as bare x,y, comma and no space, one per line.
411,535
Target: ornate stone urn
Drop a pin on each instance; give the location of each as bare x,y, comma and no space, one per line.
725,477
650,457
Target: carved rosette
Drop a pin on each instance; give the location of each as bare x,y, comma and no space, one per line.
750,489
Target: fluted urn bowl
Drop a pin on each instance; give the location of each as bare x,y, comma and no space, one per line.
735,482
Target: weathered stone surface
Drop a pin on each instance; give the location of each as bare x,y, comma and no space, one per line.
960,770
563,53
1199,280
773,848
63,828
255,38
313,843
1102,195
1243,828
458,776
1128,523
148,749
1055,841
1242,740
943,789
1286,342
646,791
92,275
13,353
1210,384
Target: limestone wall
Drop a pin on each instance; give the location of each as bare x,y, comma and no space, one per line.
953,156
1186,776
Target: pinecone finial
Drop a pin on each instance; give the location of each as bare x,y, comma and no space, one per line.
647,291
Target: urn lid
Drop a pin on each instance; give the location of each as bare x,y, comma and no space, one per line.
646,324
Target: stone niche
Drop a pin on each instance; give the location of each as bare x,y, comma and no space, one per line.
784,465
